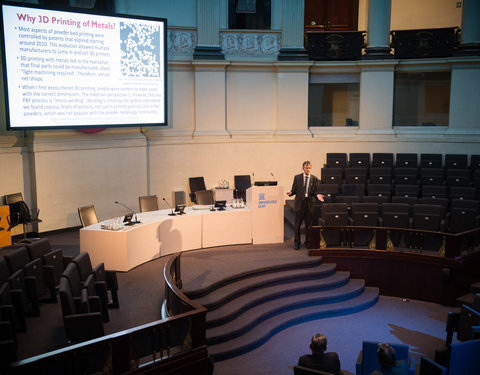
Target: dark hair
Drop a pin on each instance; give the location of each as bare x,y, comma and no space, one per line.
306,162
318,343
386,355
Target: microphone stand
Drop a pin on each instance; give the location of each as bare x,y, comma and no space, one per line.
134,215
169,206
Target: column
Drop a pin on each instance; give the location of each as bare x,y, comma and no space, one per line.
292,31
208,24
378,30
210,98
376,93
470,44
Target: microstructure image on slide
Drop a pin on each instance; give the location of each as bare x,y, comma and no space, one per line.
139,50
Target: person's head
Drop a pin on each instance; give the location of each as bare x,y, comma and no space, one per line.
318,344
307,167
386,355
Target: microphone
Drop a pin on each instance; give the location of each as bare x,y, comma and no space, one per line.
169,206
129,220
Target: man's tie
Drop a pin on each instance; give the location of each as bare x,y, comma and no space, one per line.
306,186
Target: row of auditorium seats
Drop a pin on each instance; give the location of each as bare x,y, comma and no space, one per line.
401,176
403,160
431,214
32,274
386,191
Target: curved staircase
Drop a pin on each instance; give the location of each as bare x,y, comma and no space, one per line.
247,309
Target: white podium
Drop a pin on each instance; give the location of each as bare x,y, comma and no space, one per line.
266,204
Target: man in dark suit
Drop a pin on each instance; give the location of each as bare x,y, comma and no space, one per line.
319,360
305,186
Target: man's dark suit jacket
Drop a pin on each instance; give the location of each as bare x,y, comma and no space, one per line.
297,189
328,362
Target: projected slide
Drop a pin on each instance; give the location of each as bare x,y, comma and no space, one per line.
69,69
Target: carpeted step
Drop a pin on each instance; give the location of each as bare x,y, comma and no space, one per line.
257,314
236,307
241,287
269,327
300,264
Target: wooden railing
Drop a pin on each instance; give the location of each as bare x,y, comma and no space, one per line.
451,245
174,346
399,262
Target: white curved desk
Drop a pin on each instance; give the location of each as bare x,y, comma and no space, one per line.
160,234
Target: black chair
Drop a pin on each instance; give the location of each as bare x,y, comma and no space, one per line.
428,217
431,161
468,204
396,215
332,176
348,199
456,161
463,192
336,160
334,214
407,190
359,160
353,189
406,160
364,214
382,160
444,202
196,184
98,301
12,301
148,203
109,277
458,177
408,200
242,183
31,278
376,199
380,190
380,175
355,175
87,215
329,191
79,323
53,260
431,176
474,162
406,176
462,219
434,191
21,214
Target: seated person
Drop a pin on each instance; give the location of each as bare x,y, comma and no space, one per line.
319,360
386,357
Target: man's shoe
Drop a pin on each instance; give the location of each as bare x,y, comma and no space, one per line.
296,247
